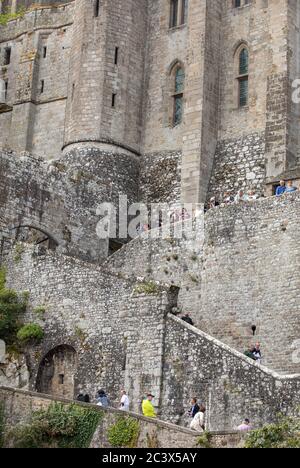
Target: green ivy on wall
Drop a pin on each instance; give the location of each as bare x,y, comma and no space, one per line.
59,426
6,17
284,434
124,433
11,306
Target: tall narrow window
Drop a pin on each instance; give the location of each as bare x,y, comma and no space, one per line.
7,55
5,89
178,95
42,86
243,77
44,52
113,100
174,13
178,12
97,8
116,55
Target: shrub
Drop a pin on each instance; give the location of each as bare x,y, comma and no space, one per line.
11,306
146,288
5,17
62,426
284,434
31,332
124,433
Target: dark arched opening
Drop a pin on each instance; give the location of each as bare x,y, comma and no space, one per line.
33,235
56,374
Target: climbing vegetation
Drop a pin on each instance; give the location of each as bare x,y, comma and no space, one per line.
6,16
284,434
147,287
124,433
31,333
12,305
59,426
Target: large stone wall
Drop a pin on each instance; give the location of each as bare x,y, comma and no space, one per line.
160,178
230,385
58,200
117,335
153,433
34,120
239,164
120,338
245,273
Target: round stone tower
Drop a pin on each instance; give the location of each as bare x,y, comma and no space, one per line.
104,108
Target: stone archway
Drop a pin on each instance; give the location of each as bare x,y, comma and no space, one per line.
57,372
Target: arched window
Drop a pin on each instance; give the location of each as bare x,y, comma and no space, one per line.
179,78
243,77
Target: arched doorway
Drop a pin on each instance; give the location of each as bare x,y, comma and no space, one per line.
56,372
33,235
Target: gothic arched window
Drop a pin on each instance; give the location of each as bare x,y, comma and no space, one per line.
179,77
243,77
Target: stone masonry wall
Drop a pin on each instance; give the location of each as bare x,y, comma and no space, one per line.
20,405
239,164
245,272
160,178
37,80
230,385
116,333
59,200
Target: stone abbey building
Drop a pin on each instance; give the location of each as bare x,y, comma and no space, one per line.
162,101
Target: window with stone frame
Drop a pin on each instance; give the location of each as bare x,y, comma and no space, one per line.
178,77
178,12
240,3
243,76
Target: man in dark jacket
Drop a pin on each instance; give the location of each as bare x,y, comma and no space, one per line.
194,409
186,318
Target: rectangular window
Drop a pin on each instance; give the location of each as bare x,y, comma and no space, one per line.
97,8
44,52
113,100
174,13
7,55
178,109
42,86
243,92
116,55
5,89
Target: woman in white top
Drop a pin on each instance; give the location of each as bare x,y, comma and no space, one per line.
124,401
198,423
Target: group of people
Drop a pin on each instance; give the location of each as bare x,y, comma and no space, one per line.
196,412
254,353
230,199
242,196
285,187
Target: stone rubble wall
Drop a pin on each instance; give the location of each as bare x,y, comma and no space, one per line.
19,406
239,165
245,273
231,386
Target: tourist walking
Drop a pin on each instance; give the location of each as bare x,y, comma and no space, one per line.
186,318
281,189
245,427
102,399
124,403
148,408
198,422
195,408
